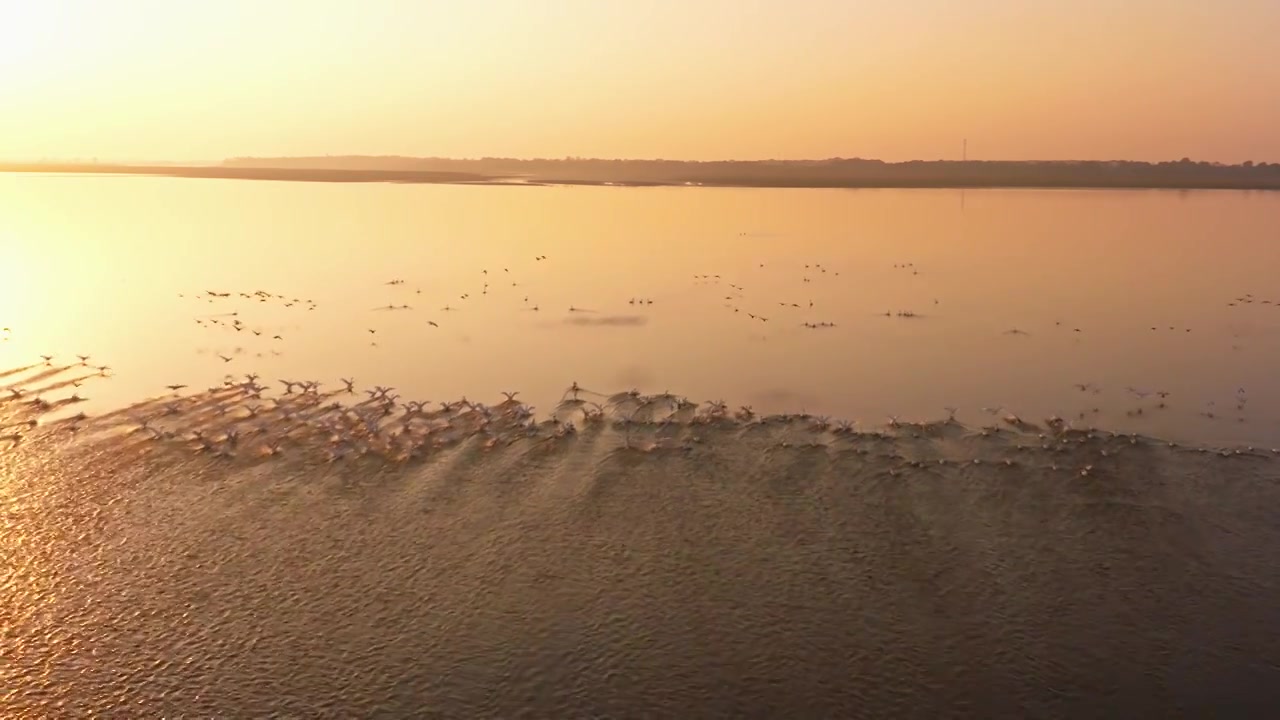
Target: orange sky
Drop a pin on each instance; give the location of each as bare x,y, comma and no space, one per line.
697,79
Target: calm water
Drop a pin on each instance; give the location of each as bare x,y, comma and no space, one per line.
96,265
726,570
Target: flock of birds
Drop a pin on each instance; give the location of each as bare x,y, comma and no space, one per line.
243,418
240,420
735,302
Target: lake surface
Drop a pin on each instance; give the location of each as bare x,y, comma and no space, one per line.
1019,295
655,561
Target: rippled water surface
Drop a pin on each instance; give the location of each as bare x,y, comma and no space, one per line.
243,547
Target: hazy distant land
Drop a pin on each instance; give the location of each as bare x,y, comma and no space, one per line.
832,173
229,172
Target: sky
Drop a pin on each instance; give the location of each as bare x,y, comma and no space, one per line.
201,80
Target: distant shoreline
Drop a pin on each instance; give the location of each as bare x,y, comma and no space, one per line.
216,172
835,174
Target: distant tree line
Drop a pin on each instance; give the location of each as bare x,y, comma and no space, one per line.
831,172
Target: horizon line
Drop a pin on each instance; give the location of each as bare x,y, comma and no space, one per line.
99,160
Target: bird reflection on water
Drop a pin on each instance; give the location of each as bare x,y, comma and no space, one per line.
237,420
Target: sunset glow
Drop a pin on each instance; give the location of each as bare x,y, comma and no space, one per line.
1096,79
